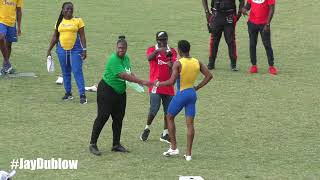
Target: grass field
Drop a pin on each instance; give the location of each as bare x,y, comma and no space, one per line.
247,126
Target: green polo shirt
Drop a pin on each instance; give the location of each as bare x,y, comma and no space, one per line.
114,66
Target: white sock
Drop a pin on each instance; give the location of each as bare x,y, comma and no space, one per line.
147,127
165,131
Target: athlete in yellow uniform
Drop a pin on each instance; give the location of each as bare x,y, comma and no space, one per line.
71,49
10,14
184,72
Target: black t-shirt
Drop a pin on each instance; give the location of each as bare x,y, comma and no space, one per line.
224,5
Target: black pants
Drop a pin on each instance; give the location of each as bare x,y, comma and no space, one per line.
225,23
254,30
109,103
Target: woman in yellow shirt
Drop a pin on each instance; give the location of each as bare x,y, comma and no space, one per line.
10,27
71,49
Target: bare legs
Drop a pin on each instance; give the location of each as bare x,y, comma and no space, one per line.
190,135
172,133
4,49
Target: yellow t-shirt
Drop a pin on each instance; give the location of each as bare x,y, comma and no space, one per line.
8,11
68,30
190,68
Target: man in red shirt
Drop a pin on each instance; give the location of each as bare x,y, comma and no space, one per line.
161,58
261,13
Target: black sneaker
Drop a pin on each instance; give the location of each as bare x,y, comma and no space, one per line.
119,148
67,97
144,136
93,148
83,99
165,138
211,65
234,67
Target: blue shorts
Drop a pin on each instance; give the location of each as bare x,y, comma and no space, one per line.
184,99
9,32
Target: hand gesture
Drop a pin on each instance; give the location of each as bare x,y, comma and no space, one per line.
238,17
266,28
208,16
84,55
244,11
211,20
48,53
147,83
19,31
163,49
170,63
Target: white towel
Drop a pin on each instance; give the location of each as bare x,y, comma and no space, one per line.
50,64
135,86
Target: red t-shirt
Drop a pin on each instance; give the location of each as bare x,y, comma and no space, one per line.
259,11
159,69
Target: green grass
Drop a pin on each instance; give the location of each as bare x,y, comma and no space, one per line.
247,126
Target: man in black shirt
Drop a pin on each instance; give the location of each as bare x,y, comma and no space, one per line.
222,18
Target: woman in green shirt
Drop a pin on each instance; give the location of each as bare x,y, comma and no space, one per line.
111,96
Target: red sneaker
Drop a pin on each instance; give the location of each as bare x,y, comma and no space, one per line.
273,70
254,69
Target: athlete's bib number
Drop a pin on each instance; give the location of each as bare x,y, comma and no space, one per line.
258,1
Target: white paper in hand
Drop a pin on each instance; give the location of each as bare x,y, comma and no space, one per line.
50,64
135,86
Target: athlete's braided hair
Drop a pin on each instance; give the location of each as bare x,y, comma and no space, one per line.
60,18
184,46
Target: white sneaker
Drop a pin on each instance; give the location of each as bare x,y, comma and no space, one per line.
93,88
6,175
171,152
188,158
59,81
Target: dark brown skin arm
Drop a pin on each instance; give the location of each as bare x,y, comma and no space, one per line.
206,9
270,16
241,5
19,18
53,42
245,9
152,55
271,12
133,78
83,42
175,72
207,76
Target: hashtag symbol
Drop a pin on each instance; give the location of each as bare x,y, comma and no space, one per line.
14,163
